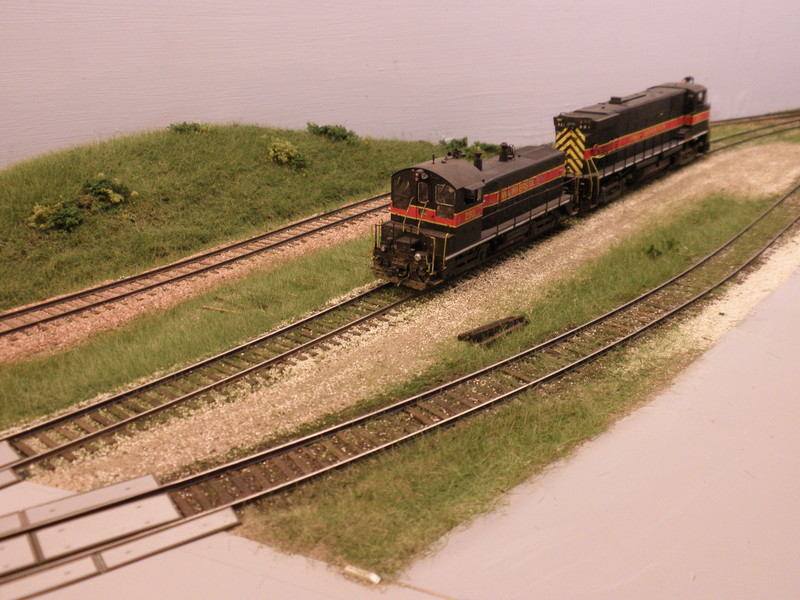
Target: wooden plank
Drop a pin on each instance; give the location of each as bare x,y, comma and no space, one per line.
301,462
432,408
86,425
220,489
245,489
46,440
419,415
24,448
117,412
67,433
333,449
280,463
102,419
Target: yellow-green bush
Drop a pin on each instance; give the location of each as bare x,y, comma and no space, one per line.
283,152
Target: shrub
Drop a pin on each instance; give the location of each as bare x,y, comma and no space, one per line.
336,133
190,127
461,145
102,192
98,193
283,152
63,215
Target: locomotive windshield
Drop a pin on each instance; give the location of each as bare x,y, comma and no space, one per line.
422,193
445,200
445,194
401,190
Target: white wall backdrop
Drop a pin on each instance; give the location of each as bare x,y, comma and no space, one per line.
78,70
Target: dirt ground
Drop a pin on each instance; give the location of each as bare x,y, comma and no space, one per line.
365,365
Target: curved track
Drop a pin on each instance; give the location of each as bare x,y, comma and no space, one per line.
306,457
32,315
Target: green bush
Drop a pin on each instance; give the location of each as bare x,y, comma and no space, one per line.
63,215
336,133
102,192
190,127
454,145
98,193
283,152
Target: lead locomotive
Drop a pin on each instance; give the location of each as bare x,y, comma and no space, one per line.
449,216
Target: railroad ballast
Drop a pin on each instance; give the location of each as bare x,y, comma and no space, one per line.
448,215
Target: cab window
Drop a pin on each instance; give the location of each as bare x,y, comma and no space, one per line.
422,193
445,200
401,191
445,194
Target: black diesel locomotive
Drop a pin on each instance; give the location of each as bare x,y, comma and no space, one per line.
447,216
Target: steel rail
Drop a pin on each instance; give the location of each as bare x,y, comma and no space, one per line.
426,429
77,296
108,427
188,262
238,469
105,430
756,137
763,117
749,131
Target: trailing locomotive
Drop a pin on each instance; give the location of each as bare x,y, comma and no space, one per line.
449,216
618,143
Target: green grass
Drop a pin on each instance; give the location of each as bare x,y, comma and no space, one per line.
196,191
720,131
183,334
383,512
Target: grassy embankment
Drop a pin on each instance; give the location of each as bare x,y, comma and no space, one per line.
196,191
408,498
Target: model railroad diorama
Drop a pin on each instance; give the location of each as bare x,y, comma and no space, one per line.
447,216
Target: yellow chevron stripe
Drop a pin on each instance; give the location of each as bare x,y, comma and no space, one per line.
565,133
573,143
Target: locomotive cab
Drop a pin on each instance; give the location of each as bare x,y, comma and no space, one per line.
448,216
428,201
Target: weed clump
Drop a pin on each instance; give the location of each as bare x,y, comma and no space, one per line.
64,215
335,133
283,152
656,250
190,127
102,192
461,146
98,193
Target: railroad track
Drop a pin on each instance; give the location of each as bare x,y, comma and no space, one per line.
23,318
307,457
20,319
62,435
789,114
775,129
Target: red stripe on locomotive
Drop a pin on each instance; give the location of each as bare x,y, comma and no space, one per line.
632,138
